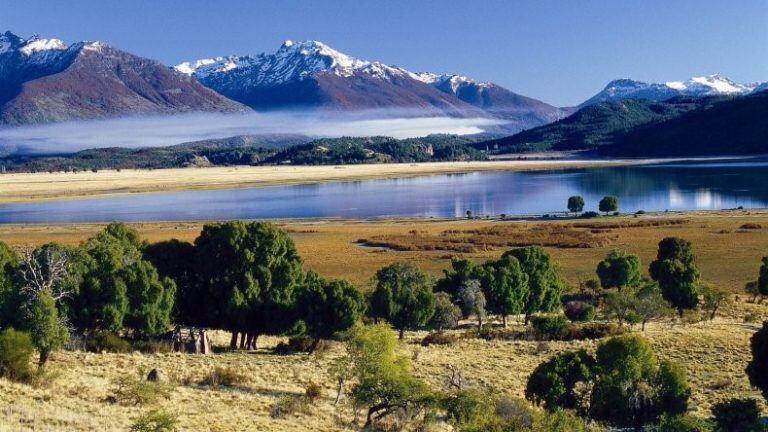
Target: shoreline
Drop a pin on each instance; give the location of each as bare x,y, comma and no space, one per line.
29,187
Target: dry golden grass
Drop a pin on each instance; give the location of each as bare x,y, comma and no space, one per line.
39,186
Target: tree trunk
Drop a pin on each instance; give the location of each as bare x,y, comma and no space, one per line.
314,345
504,320
233,341
642,327
339,390
242,340
479,324
527,319
680,312
402,334
250,343
44,354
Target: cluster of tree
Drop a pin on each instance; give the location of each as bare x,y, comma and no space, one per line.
607,204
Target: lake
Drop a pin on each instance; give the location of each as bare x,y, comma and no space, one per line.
679,186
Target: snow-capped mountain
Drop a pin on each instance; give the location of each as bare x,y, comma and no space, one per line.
313,75
46,80
712,85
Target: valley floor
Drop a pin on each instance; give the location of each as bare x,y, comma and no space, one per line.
19,187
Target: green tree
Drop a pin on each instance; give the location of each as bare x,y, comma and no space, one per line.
619,270
8,300
473,301
650,305
712,299
447,314
762,279
609,204
246,276
175,259
553,383
682,423
48,330
631,388
15,352
757,368
676,272
622,305
505,286
119,287
328,307
402,296
544,283
461,271
575,204
737,415
383,379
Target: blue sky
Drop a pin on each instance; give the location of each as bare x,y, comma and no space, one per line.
561,52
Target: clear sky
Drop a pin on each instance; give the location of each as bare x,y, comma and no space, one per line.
561,52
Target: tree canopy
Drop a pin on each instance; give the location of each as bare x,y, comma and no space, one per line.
402,296
676,272
544,283
619,270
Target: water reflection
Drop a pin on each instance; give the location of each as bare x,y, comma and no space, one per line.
675,187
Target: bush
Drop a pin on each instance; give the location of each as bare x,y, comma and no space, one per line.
313,392
579,311
551,327
104,341
153,347
439,338
155,421
288,405
301,344
15,351
737,415
589,215
595,330
133,390
224,377
682,423
751,226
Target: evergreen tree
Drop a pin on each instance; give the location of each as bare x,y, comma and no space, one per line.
544,282
402,296
505,286
676,272
619,270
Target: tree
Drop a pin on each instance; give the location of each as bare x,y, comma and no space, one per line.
505,287
473,301
15,352
119,287
752,289
175,259
553,382
619,270
622,305
609,204
8,307
575,204
757,369
631,387
402,296
712,298
384,383
737,415
544,283
246,276
762,280
650,305
447,314
461,271
328,307
48,330
676,272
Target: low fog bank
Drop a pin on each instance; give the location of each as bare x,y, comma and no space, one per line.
155,131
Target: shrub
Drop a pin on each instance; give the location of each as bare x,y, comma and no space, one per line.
751,226
133,390
682,423
439,338
155,421
737,415
153,346
579,311
15,351
288,405
554,327
313,392
224,377
552,384
589,215
595,330
104,341
302,344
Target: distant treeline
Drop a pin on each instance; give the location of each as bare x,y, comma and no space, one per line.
256,150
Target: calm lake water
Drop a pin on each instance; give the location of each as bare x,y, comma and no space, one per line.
681,186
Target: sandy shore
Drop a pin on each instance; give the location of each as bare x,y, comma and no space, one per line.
19,187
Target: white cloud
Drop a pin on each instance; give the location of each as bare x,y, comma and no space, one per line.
134,132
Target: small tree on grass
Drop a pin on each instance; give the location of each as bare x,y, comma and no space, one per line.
676,272
328,307
757,369
619,270
473,301
553,383
447,314
712,299
762,279
15,352
402,296
609,204
575,204
506,287
752,289
622,305
650,305
544,283
461,271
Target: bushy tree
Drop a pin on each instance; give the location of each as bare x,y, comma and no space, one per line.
461,271
8,301
632,388
175,259
762,279
622,305
505,286
246,276
328,307
650,305
48,330
553,383
619,270
712,299
608,204
15,352
447,314
757,369
402,296
682,423
544,283
676,273
737,415
575,204
119,287
473,301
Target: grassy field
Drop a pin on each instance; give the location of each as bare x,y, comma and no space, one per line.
17,187
728,247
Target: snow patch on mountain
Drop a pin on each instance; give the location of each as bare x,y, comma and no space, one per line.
36,44
453,81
